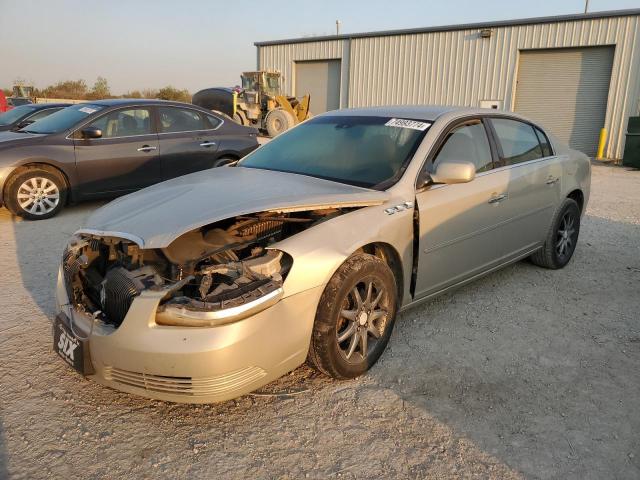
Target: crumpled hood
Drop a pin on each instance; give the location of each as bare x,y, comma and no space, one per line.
157,215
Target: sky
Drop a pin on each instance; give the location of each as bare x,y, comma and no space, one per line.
194,44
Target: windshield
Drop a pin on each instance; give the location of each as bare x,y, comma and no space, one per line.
16,114
250,82
362,151
64,119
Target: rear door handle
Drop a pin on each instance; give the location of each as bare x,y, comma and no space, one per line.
147,148
552,180
497,198
208,144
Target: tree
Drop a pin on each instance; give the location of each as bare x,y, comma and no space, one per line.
171,93
70,89
100,89
133,94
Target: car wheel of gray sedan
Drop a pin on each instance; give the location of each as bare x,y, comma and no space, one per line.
36,193
355,317
223,161
562,237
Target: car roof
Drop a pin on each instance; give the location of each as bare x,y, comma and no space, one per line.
42,106
112,102
428,113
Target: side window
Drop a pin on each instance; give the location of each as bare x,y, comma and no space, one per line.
547,151
124,123
41,114
518,141
174,119
214,121
467,142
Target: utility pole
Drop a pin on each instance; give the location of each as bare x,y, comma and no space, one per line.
338,22
586,6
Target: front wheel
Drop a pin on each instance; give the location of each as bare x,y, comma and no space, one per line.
36,193
562,237
355,318
278,121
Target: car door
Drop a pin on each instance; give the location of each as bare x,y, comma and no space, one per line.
459,225
534,184
188,141
124,158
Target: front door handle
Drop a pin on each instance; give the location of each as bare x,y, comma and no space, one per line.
552,180
147,148
208,144
497,199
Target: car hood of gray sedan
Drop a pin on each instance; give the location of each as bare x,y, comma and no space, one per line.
157,215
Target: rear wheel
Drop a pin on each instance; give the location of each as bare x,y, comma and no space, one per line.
223,161
278,121
36,193
562,237
355,318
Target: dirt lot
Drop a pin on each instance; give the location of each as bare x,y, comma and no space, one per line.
526,373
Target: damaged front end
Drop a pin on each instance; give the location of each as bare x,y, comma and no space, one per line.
217,274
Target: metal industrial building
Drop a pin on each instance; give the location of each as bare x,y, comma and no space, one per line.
574,74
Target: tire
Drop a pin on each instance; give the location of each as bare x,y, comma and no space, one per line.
36,193
223,161
332,356
278,121
240,118
561,239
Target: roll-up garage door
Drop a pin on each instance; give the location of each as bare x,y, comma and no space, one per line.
566,91
320,79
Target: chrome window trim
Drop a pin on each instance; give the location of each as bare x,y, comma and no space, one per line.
70,135
195,110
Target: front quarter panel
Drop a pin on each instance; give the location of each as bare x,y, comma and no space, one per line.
319,251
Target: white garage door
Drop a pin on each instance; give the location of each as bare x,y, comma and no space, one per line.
566,90
321,79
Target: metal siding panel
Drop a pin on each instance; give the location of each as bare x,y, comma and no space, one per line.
432,67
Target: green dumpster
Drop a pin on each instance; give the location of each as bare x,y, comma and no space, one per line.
632,146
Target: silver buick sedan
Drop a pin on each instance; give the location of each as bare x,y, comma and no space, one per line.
208,286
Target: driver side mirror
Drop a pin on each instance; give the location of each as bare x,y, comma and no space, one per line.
452,171
91,132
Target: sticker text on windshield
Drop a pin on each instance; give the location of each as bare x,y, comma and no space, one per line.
404,123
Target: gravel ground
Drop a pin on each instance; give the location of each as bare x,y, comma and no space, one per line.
527,373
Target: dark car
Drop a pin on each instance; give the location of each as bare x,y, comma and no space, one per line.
109,148
18,101
20,117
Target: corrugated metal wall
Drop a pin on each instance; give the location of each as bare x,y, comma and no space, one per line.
460,68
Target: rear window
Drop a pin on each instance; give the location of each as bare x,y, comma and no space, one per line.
175,119
518,141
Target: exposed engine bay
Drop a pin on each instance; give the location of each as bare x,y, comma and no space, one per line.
202,274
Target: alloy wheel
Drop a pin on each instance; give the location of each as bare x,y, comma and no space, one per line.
565,237
362,320
38,196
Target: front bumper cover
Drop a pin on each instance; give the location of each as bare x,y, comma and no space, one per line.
191,364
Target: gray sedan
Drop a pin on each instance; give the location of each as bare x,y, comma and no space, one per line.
108,148
208,286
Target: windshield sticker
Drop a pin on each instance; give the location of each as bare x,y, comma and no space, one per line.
412,124
87,110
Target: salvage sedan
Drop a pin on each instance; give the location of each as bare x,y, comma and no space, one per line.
108,148
206,287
